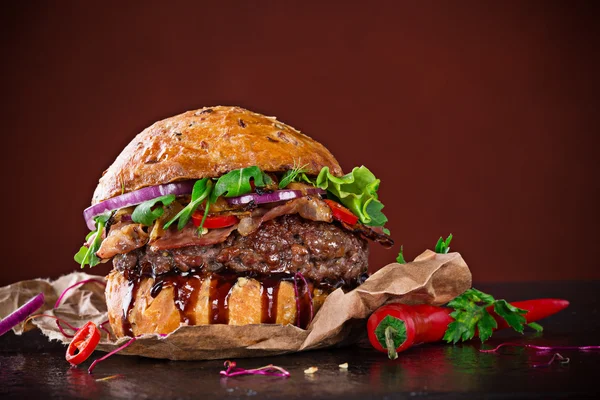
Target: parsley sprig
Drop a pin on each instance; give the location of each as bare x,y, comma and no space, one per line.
471,314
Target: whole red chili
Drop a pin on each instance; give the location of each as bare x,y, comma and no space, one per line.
83,344
396,327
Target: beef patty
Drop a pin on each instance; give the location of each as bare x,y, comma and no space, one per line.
322,252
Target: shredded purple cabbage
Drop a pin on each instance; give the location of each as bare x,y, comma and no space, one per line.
65,334
58,322
270,370
540,348
96,361
562,360
75,285
544,349
101,326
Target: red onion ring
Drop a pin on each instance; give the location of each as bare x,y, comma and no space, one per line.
21,313
135,198
277,195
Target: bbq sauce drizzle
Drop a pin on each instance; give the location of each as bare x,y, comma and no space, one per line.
187,286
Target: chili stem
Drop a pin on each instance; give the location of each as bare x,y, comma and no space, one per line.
389,342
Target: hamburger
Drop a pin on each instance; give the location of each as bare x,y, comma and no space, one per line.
225,216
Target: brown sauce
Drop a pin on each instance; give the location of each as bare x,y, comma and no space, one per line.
128,303
186,296
187,287
220,289
304,304
269,291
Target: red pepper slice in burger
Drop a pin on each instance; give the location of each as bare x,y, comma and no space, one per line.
216,222
83,344
341,213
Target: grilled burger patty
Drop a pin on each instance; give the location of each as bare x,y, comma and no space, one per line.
322,252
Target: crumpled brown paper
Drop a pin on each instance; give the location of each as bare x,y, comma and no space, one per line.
431,278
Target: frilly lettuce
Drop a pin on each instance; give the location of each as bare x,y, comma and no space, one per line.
356,190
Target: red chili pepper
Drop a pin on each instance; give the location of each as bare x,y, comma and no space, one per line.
219,221
341,213
83,344
405,325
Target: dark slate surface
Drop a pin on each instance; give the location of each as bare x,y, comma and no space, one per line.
31,367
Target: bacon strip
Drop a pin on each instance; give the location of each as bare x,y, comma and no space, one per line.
311,208
374,233
188,236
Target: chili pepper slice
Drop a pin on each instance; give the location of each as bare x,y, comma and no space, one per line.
341,213
83,344
219,221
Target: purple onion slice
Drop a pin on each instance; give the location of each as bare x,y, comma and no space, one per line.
277,195
21,313
135,198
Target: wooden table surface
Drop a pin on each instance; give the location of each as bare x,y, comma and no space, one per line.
32,367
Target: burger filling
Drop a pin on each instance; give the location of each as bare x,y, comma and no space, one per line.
322,252
248,223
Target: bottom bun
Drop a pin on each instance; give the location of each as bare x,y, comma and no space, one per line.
146,305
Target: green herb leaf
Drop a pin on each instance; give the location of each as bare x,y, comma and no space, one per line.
486,325
356,190
202,189
470,313
237,182
512,315
443,246
266,180
400,259
535,326
87,255
206,208
147,212
291,175
454,332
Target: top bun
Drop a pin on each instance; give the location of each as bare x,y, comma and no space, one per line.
208,143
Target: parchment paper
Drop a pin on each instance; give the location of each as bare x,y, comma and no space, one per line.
431,278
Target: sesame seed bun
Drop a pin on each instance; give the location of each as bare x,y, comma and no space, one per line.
208,143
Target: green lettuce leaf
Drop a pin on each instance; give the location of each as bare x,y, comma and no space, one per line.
356,190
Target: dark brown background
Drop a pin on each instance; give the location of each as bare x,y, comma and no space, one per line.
480,118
